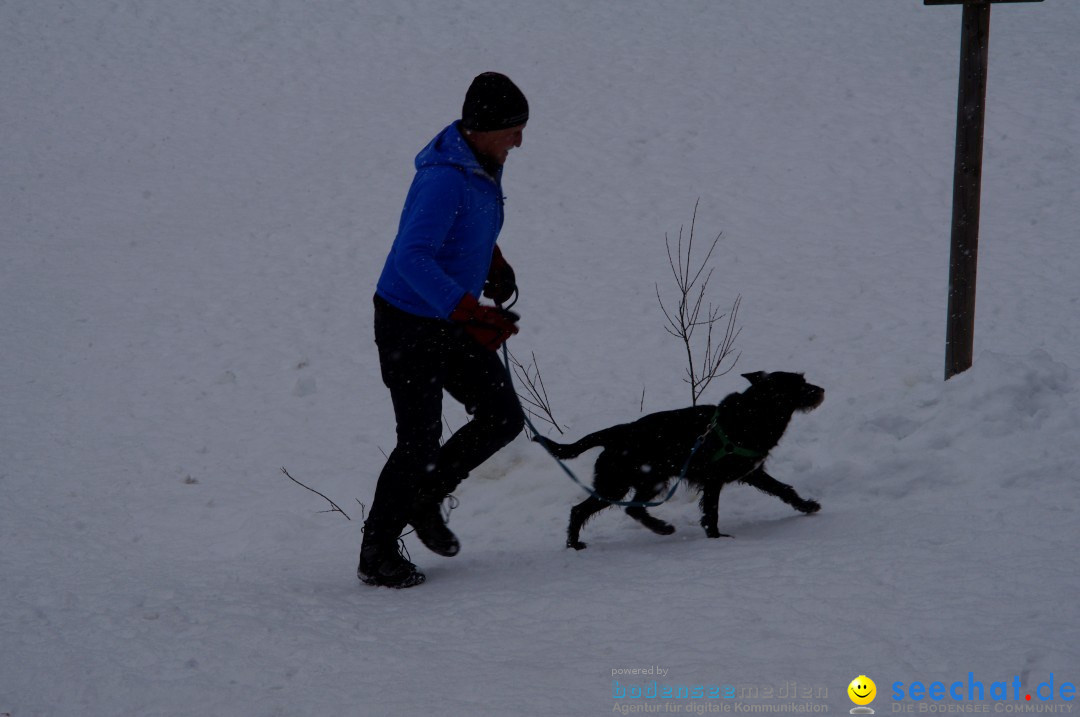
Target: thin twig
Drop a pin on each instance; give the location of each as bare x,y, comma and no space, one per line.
335,509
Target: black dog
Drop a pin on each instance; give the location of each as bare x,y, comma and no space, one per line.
736,438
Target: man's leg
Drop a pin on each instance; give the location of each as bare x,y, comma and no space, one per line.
410,355
478,379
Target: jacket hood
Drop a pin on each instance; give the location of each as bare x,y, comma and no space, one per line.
449,148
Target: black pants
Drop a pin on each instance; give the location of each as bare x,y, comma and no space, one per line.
420,358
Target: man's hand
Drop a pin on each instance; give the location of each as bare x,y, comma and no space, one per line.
489,325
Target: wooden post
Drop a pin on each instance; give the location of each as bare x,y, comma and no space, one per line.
967,181
967,189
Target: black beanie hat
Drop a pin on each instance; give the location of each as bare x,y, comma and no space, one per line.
493,102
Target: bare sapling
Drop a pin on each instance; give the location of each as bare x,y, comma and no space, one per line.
707,333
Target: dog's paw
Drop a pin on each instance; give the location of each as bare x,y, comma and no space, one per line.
810,506
576,544
711,530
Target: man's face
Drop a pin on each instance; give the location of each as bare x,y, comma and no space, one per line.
496,145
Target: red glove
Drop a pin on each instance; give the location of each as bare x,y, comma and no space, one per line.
489,325
501,282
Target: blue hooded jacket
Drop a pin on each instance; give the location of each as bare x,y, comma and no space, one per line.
452,217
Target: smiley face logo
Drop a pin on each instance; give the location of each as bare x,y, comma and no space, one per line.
862,690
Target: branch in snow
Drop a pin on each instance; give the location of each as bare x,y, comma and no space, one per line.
334,509
535,401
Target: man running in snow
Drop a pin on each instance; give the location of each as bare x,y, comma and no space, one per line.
433,334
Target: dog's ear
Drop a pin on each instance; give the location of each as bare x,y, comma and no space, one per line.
755,376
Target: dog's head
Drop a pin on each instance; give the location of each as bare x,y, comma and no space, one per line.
787,389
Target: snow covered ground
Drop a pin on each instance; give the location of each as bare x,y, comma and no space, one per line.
195,202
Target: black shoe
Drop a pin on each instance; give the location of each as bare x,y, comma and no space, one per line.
430,527
385,565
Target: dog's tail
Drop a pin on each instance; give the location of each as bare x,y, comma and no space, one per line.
563,451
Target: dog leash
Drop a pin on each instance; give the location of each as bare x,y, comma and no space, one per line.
588,488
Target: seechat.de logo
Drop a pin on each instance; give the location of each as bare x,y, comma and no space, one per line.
862,692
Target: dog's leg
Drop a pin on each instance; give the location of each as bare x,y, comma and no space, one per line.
766,483
578,515
710,511
640,514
